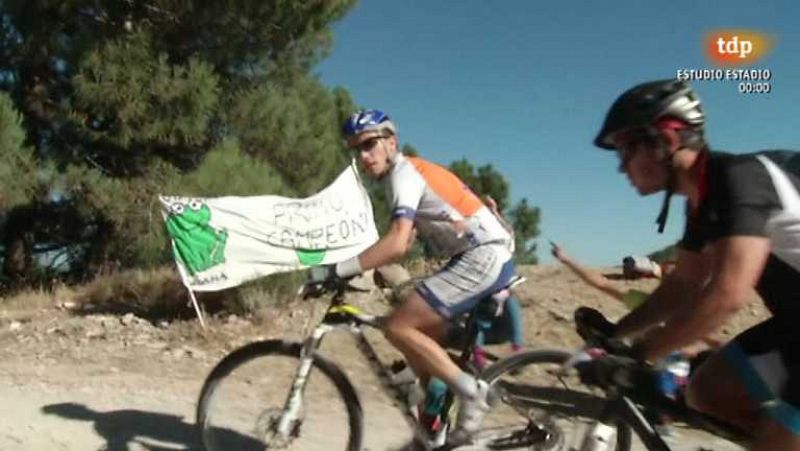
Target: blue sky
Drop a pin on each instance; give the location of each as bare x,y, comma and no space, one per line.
524,85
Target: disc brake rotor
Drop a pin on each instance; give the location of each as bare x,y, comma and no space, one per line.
266,430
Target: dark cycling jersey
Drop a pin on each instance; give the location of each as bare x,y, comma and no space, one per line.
757,195
753,195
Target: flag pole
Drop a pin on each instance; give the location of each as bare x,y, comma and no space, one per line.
196,307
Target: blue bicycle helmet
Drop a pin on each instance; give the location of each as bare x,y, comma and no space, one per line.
367,121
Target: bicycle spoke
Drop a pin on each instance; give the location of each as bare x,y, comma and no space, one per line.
247,404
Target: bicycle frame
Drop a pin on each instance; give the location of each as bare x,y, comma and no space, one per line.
340,315
623,402
624,407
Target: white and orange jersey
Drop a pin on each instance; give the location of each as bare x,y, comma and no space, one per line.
447,214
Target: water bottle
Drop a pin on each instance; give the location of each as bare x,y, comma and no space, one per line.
673,374
679,365
598,438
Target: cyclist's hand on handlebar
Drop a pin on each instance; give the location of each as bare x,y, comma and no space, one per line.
322,274
595,329
610,370
321,279
326,275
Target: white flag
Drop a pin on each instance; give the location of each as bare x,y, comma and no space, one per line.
222,242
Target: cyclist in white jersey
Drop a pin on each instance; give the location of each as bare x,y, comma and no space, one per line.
455,224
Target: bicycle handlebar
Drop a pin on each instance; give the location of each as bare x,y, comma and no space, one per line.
597,331
617,371
617,367
313,290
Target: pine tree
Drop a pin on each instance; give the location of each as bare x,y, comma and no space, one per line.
122,101
525,220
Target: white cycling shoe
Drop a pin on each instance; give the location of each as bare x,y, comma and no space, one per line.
471,414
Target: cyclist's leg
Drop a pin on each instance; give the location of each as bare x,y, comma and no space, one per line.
507,327
754,382
495,332
449,293
770,435
446,295
414,328
780,424
482,336
715,388
513,314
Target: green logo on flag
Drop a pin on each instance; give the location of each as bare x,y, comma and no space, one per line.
198,246
310,257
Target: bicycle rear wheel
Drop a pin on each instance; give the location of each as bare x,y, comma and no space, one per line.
538,408
244,395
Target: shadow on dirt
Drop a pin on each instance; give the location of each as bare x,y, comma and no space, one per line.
148,430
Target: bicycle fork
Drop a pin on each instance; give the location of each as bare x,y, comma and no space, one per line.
288,421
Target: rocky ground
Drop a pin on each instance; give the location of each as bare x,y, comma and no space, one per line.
81,379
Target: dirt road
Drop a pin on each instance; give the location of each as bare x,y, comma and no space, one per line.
101,381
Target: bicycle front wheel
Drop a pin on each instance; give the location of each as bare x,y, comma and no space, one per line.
540,408
243,399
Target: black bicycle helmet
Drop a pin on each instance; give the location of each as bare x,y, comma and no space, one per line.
644,104
641,107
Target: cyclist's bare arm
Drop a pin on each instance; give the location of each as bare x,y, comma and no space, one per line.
591,277
678,288
391,247
737,265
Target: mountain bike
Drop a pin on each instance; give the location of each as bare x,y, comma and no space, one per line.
242,407
558,384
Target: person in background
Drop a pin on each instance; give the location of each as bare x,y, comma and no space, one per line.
499,327
506,325
632,298
636,267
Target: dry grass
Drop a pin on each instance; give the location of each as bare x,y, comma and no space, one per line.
35,298
155,293
141,289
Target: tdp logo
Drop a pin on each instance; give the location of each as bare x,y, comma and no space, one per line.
736,47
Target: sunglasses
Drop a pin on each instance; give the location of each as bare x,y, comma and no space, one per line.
367,145
633,144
